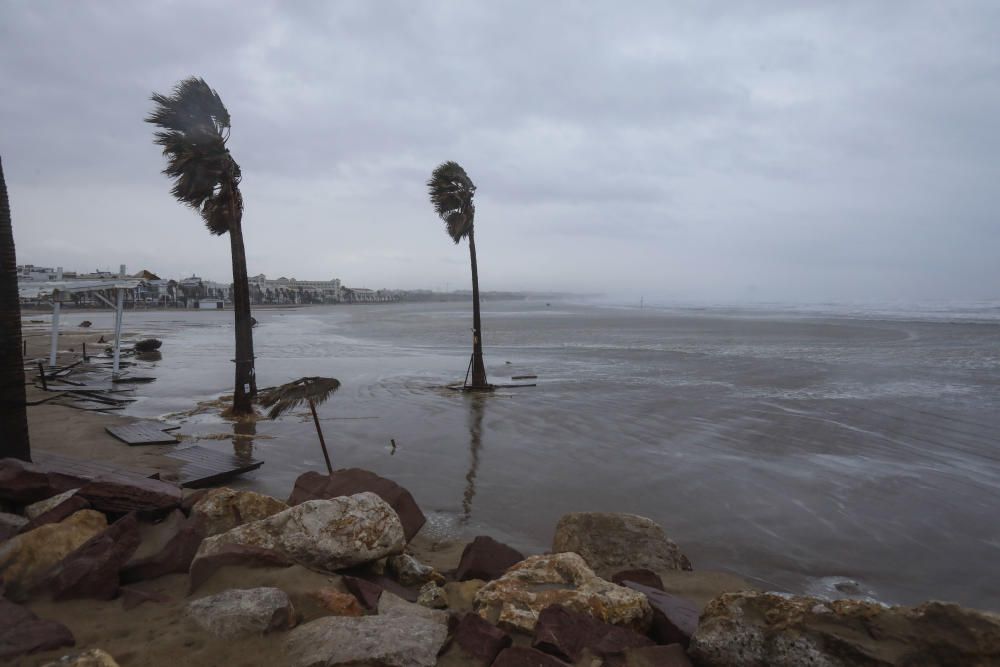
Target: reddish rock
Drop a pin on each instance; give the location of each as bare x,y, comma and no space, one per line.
365,573
526,657
657,656
640,576
233,555
485,558
479,640
118,494
674,618
23,482
565,634
66,508
92,570
337,603
366,592
172,552
348,481
21,632
133,597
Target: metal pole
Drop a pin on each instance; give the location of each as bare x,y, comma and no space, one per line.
322,442
119,304
57,302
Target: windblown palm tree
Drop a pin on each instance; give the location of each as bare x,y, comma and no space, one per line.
311,390
13,408
451,192
194,129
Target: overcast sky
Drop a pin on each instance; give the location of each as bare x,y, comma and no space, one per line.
698,150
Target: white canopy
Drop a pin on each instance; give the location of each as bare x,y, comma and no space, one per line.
48,288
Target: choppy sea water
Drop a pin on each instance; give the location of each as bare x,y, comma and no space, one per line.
800,448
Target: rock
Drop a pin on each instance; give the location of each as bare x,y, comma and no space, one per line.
190,498
337,603
241,613
485,558
148,345
767,629
95,657
526,657
10,525
432,596
675,618
479,640
326,535
225,509
640,576
167,547
657,656
85,324
349,481
133,597
42,506
392,605
91,571
411,572
21,632
119,494
366,593
566,634
28,557
202,567
65,509
23,482
611,542
461,594
516,599
388,641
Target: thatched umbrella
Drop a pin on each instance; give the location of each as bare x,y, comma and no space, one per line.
311,390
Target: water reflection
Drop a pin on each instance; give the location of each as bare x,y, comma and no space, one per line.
243,434
477,404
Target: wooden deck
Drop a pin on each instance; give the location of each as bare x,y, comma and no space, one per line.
85,469
142,433
204,467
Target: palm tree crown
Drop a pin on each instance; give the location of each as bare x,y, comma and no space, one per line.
313,390
194,128
451,192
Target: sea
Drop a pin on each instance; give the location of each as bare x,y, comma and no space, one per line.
832,450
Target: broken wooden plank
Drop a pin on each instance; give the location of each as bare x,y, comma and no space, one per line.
86,469
203,466
141,433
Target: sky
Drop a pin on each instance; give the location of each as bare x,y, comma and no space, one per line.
684,150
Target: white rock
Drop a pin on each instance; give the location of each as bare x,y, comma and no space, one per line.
391,641
35,510
243,612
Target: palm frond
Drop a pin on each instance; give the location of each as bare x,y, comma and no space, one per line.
451,191
291,394
194,128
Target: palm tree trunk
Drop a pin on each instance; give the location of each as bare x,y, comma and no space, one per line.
246,381
13,407
322,442
478,365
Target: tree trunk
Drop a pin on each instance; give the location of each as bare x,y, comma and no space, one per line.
13,407
246,381
478,365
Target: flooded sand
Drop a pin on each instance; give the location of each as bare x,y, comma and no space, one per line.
801,450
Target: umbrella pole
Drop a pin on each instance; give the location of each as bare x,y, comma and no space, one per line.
322,442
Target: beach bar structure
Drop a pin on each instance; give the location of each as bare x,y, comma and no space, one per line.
58,289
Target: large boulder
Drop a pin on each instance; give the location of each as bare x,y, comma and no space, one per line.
752,629
611,542
166,547
225,509
485,558
325,535
390,641
349,481
675,618
567,634
91,571
23,482
517,598
243,612
66,508
21,632
42,506
118,494
28,557
233,555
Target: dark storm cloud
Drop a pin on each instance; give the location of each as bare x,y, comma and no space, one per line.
765,150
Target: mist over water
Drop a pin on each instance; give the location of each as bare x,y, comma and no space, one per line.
797,447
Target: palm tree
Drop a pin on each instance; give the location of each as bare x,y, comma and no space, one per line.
451,191
13,406
194,129
311,390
